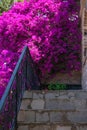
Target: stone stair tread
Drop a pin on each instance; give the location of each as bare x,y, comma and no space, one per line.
53,123
38,94
51,110
52,127
54,104
52,116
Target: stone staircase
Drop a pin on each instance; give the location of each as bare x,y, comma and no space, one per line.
53,110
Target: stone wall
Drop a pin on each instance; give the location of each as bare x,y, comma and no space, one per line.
84,77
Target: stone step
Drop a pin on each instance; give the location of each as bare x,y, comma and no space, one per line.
54,104
52,126
60,100
58,94
44,116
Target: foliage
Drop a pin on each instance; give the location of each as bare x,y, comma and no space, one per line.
5,5
51,29
56,86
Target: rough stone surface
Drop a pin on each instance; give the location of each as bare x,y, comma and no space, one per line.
25,104
63,128
23,127
77,117
37,96
56,116
59,105
84,77
42,117
39,127
62,92
21,116
27,94
29,116
81,128
71,94
37,104
82,95
63,97
51,95
80,104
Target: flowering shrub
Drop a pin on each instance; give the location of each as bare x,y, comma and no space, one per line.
7,64
50,28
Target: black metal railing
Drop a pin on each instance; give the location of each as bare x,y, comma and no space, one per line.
24,77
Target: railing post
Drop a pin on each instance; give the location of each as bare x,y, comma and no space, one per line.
26,72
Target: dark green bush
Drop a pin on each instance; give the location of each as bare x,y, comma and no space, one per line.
57,86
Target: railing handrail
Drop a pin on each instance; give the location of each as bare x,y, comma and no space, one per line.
4,97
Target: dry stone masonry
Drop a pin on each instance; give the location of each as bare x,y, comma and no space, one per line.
53,110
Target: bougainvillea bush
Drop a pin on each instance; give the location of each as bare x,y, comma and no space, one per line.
50,28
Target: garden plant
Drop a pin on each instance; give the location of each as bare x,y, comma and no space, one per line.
57,86
51,30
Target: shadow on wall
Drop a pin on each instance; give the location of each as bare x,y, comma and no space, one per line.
65,78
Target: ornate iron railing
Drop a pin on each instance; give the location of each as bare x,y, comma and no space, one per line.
24,77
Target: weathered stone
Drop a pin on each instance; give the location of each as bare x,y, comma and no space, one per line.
80,104
41,127
63,128
27,94
23,127
25,104
62,92
37,104
63,97
74,127
71,94
55,116
21,116
72,98
42,117
84,76
59,105
81,95
37,96
29,116
77,117
81,128
51,95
